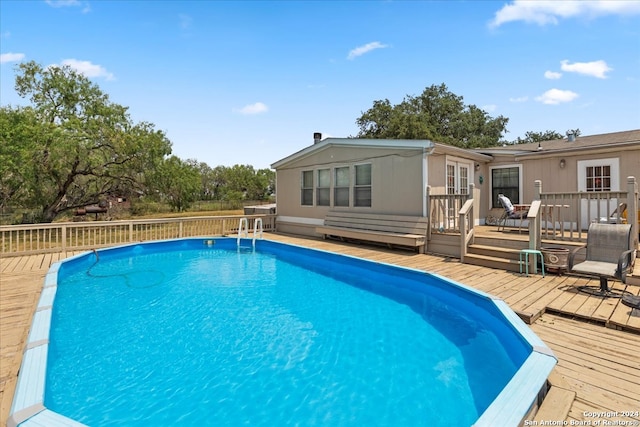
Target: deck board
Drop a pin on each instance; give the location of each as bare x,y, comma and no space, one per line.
601,365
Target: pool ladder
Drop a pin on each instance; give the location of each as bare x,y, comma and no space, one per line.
243,230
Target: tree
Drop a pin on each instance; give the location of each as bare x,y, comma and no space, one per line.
532,137
80,146
267,182
18,129
436,114
241,182
178,182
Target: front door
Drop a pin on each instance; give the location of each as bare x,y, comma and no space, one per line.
595,176
458,179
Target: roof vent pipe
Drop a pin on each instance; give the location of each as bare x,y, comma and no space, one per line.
571,136
317,136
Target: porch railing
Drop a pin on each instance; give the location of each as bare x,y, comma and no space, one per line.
567,215
57,237
443,210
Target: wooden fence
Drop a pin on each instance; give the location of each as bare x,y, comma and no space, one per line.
41,238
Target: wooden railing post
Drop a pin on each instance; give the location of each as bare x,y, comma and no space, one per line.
474,212
632,207
428,190
535,234
64,237
534,231
465,216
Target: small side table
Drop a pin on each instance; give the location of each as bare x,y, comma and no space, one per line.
524,253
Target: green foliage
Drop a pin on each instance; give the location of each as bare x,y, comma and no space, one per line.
74,147
238,182
532,137
19,129
177,182
437,115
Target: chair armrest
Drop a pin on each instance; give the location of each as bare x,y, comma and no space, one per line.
517,208
625,261
572,255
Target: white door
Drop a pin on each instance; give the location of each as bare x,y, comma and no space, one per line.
594,176
458,179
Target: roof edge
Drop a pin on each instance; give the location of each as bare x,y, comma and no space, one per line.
404,144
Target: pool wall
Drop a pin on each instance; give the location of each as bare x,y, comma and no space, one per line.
513,404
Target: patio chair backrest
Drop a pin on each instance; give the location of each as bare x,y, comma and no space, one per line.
506,203
619,210
606,242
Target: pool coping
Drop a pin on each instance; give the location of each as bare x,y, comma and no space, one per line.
511,407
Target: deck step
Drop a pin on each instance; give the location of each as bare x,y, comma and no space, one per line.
558,401
494,251
634,279
492,262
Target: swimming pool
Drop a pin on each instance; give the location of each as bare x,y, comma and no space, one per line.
364,343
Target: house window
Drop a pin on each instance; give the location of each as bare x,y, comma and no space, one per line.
362,188
341,187
463,182
505,181
306,198
458,177
451,179
323,191
598,178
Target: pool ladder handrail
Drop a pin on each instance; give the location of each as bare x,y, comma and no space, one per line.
258,222
243,230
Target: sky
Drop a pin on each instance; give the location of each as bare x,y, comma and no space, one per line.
249,82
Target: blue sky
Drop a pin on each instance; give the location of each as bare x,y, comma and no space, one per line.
248,82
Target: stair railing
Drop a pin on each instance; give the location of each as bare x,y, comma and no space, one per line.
467,233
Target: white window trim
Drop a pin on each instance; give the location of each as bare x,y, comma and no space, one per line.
520,187
350,186
317,185
613,163
313,187
457,162
352,195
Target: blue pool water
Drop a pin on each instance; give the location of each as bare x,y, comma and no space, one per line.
197,332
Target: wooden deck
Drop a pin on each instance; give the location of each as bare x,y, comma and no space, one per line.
598,368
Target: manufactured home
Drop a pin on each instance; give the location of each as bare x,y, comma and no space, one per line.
413,188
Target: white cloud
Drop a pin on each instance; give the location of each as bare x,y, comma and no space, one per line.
11,57
88,69
62,3
361,50
552,75
257,108
70,3
550,11
519,99
557,96
185,21
594,68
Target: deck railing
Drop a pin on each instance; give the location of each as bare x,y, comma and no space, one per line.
443,210
567,215
56,237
